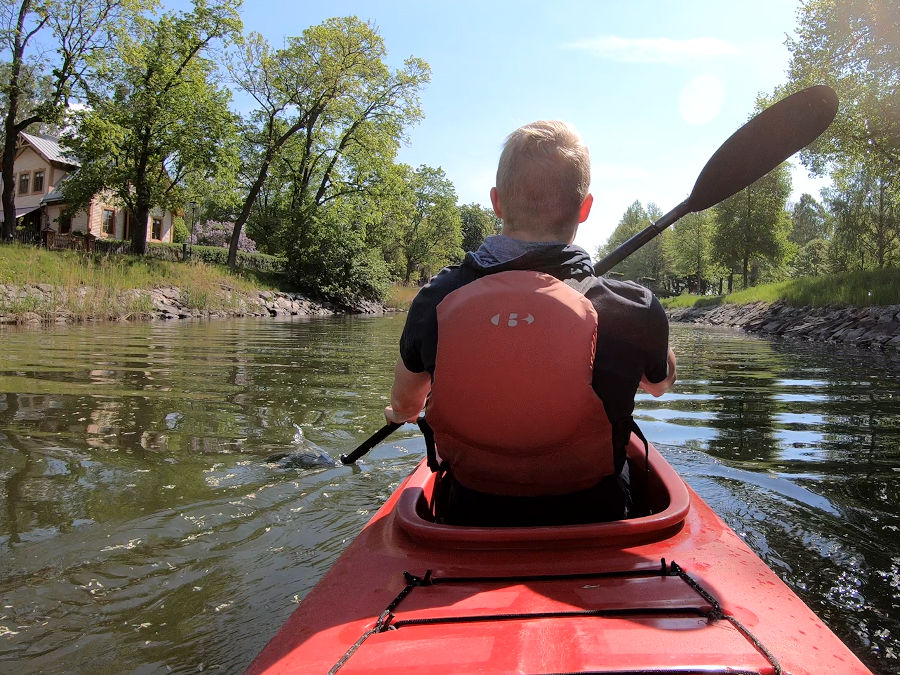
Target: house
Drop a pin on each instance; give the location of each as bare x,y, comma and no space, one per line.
40,168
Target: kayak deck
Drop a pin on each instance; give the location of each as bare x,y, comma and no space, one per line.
683,595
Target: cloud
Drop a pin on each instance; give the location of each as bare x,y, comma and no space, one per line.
655,50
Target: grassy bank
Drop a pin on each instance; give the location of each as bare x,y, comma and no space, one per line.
97,285
852,289
400,296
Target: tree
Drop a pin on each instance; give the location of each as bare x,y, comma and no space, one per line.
430,236
157,121
809,220
329,102
752,225
867,212
812,258
852,46
35,82
689,250
477,223
649,261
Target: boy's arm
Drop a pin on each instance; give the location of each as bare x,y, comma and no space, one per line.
408,394
659,388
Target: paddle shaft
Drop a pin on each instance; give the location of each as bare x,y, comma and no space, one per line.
641,238
370,443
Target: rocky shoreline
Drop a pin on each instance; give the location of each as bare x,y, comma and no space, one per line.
867,327
46,304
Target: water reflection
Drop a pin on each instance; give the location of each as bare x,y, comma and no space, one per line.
142,531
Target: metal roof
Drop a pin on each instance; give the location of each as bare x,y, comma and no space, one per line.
49,148
22,211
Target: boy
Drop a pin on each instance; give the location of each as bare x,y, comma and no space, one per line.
531,390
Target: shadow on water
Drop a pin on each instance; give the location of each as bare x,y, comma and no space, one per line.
143,530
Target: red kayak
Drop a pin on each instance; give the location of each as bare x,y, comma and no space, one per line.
672,592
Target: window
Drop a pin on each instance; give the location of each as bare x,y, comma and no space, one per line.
109,222
65,223
126,234
157,229
24,180
38,183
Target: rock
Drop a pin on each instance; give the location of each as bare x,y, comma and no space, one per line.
874,327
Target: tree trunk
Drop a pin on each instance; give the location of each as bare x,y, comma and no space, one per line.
9,188
10,129
246,209
139,227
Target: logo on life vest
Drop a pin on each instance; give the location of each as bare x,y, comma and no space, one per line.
513,319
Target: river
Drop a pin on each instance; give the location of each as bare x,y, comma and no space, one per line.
142,530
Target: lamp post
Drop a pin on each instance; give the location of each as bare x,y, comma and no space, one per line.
193,219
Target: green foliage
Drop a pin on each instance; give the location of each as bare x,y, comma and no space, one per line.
330,118
157,117
332,260
688,250
180,231
649,261
850,289
867,219
477,222
809,220
216,255
811,259
47,48
690,300
752,225
852,46
104,285
430,236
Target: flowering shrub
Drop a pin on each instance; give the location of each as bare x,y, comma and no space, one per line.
215,233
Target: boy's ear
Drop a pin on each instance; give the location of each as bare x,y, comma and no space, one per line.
495,202
585,209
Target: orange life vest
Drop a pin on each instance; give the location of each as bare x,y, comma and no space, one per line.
512,406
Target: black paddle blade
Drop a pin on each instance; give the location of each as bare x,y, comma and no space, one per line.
763,143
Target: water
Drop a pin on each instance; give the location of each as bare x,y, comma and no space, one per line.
142,530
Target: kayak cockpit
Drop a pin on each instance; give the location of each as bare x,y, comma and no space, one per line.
661,492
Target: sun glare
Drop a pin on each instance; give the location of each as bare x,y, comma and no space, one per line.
701,100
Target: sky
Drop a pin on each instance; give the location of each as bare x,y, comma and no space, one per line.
653,86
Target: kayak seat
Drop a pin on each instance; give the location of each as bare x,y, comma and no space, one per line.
662,495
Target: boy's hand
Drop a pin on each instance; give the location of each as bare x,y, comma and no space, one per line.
657,389
395,418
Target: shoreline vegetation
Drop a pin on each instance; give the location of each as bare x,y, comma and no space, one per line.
41,287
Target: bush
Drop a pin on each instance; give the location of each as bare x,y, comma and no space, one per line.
215,233
336,265
215,255
180,232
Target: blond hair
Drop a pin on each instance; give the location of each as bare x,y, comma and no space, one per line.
543,176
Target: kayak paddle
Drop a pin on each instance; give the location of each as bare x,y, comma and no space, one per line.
751,152
370,443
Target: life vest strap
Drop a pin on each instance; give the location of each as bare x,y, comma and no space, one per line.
430,449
